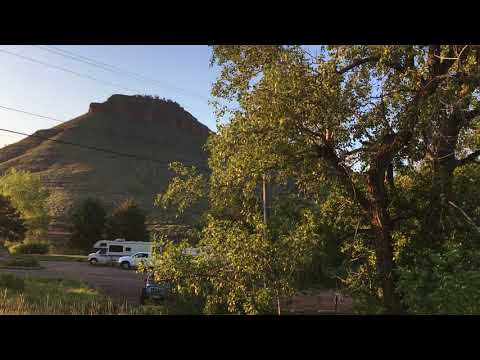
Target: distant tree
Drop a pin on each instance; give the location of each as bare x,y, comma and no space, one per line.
29,197
127,222
88,223
12,226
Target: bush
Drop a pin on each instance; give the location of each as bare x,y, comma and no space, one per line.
442,282
12,282
34,247
23,262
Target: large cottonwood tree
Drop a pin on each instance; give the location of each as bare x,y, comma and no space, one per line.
355,116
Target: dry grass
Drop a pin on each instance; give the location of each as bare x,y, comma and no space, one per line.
37,296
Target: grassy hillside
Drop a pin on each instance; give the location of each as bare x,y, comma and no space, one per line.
151,128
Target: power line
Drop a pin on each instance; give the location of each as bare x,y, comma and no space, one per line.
75,56
97,64
146,140
68,71
29,113
94,148
114,69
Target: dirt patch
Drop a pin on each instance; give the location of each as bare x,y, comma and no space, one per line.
318,302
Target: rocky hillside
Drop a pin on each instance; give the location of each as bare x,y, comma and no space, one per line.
145,127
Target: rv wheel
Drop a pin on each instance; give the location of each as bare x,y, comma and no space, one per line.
93,261
126,265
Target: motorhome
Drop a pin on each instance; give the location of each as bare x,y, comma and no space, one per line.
108,251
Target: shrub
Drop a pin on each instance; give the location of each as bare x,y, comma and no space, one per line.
12,282
34,247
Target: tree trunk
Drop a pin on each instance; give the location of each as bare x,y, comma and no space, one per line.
384,255
382,226
435,229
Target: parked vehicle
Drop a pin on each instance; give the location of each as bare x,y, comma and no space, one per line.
128,262
109,251
99,257
153,291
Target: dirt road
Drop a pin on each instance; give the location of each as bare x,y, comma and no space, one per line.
120,285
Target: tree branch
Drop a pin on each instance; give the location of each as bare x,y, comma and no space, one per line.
358,62
470,115
328,155
472,158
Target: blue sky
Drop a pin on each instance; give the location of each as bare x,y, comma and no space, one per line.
182,73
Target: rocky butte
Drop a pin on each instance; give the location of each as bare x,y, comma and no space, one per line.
159,130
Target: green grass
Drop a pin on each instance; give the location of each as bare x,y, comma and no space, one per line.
29,262
58,257
35,296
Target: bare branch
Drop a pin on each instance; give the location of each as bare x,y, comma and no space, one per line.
466,216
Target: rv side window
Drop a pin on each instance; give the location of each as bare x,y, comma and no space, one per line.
115,248
128,249
103,244
102,251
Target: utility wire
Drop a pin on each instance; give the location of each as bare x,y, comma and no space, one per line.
114,69
146,140
129,73
29,113
68,71
94,148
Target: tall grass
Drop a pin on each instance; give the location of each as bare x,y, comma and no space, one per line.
59,297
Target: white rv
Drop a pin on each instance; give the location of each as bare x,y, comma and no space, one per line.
108,251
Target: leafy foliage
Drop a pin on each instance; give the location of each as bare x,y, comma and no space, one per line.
12,226
127,221
30,247
354,122
379,144
28,195
184,191
445,282
88,223
237,269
